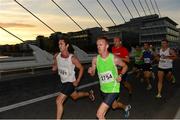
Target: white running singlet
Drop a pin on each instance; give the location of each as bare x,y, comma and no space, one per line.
66,68
165,63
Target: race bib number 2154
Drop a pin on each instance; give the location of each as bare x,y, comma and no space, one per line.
106,77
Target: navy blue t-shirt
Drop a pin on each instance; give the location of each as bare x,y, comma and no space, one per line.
147,56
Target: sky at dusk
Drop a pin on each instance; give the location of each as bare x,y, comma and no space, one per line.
21,23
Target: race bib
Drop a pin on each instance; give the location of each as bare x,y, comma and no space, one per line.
63,72
162,61
147,60
106,77
137,59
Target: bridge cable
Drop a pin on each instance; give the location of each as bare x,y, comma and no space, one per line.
34,16
67,14
106,12
12,34
135,8
127,8
153,6
142,7
118,10
148,7
90,14
157,7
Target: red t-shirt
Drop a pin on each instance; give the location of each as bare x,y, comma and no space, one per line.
121,52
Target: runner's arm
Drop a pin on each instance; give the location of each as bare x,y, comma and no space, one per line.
54,65
92,69
153,58
173,55
119,61
126,59
78,65
126,54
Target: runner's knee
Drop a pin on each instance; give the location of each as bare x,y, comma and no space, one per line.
99,114
59,100
75,96
114,105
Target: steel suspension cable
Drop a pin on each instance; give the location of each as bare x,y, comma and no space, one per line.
118,10
34,16
67,14
106,13
90,14
12,34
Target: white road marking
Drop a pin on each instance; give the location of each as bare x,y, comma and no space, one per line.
27,102
177,116
87,85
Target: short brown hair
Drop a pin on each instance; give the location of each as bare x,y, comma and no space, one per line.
165,40
104,38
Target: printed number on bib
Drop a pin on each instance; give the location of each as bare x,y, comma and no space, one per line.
106,77
137,59
147,60
162,60
63,72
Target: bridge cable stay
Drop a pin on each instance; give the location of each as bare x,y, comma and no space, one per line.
135,8
34,16
157,7
106,12
90,14
142,7
67,14
127,8
152,6
12,34
148,7
118,10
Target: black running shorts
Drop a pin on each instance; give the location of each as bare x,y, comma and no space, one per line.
67,88
166,71
147,67
109,98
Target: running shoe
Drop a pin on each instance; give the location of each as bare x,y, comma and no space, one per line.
149,87
127,109
173,79
158,96
91,95
141,80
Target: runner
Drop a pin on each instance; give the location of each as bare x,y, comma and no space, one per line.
165,66
119,50
109,79
147,66
65,62
138,65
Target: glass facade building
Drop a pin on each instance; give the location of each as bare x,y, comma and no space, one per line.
155,30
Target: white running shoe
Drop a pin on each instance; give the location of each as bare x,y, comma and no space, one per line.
158,96
128,107
149,87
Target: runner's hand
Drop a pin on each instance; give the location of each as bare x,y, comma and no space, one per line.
76,83
119,79
90,71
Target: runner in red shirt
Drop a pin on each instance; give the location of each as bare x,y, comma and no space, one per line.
123,53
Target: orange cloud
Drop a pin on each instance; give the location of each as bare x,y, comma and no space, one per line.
19,25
